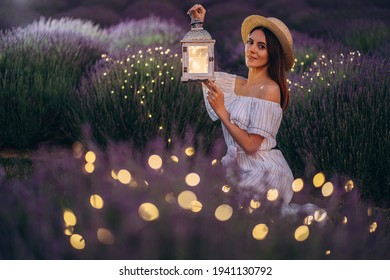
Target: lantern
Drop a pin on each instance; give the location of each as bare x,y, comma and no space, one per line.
197,54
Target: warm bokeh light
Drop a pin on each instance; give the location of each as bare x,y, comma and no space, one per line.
77,241
308,220
105,236
260,231
175,159
349,186
69,217
89,167
90,157
190,151
297,185
319,179
192,179
214,162
302,233
148,212
373,227
272,194
155,162
255,204
224,212
114,175
185,198
327,252
345,220
69,230
369,212
195,206
96,201
320,215
327,189
225,188
124,176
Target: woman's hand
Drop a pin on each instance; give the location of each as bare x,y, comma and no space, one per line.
197,11
216,99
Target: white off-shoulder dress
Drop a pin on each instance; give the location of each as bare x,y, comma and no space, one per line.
267,169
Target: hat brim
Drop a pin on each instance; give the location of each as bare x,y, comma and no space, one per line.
278,28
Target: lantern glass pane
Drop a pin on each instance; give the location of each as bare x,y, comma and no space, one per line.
198,59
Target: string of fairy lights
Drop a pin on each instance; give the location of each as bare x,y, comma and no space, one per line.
316,70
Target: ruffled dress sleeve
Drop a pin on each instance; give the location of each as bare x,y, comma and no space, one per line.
226,83
257,116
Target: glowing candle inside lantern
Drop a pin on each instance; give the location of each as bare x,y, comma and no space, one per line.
198,59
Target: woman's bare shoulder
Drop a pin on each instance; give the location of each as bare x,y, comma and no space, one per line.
269,91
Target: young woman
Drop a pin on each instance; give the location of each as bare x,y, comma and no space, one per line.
251,109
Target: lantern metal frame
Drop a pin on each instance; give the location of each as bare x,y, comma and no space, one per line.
197,37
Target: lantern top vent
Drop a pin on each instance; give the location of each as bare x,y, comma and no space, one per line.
197,32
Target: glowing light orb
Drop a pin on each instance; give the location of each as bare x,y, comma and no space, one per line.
89,167
155,162
185,198
105,236
349,186
96,201
224,212
69,230
320,215
69,218
319,179
148,212
327,189
327,252
214,162
124,176
297,185
77,241
90,157
345,220
373,227
175,159
225,188
114,175
308,220
192,179
260,231
255,204
196,206
272,194
302,233
190,151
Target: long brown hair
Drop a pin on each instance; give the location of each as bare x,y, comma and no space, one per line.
277,65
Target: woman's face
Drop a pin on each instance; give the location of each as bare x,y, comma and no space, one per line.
256,53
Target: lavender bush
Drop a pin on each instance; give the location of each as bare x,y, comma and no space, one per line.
85,203
40,66
150,31
139,97
338,120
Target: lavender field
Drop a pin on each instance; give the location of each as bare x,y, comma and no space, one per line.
105,154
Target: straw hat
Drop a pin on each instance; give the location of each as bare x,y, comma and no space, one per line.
277,27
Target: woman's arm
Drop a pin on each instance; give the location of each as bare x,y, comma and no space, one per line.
250,143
